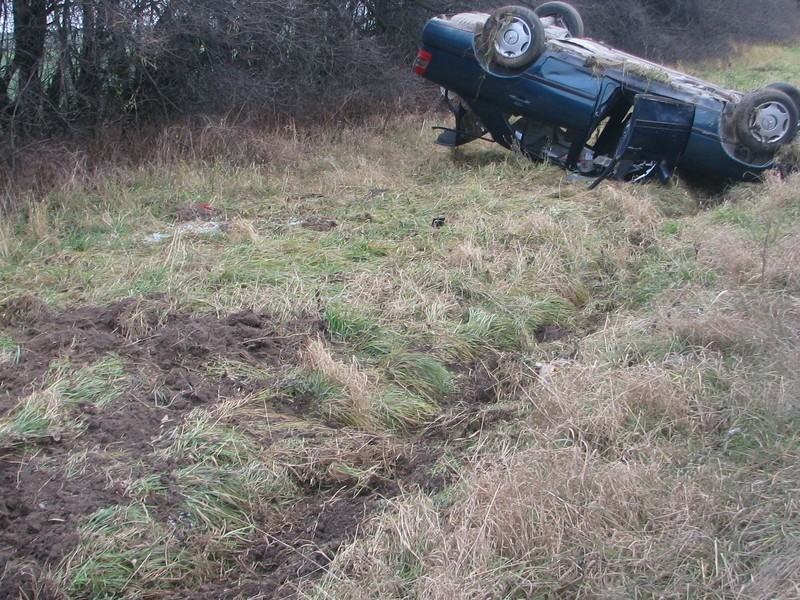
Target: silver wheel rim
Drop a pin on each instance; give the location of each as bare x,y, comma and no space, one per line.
769,122
513,39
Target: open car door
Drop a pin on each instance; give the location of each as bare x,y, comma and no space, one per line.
468,125
657,132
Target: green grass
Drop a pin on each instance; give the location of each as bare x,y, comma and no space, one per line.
124,549
757,68
202,439
400,406
419,374
650,449
129,550
221,501
37,416
350,325
47,412
10,352
97,383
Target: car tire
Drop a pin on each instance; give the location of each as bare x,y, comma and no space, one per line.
569,17
765,120
790,91
513,37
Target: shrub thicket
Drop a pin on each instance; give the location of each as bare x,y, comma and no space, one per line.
689,29
67,65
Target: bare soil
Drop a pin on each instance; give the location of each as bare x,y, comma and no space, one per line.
45,493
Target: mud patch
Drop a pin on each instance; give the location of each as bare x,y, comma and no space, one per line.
41,506
52,483
319,223
193,211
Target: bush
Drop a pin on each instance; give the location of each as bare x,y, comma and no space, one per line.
79,65
688,29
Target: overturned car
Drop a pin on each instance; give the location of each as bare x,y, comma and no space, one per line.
528,79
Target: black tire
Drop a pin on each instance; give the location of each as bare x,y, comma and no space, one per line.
513,37
568,16
765,120
790,91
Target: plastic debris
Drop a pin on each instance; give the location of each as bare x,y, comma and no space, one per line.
203,228
547,370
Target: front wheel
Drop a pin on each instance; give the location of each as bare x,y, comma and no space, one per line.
514,37
765,120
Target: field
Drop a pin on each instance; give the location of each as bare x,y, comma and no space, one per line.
351,364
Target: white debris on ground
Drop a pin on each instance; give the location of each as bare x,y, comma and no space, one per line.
547,370
195,228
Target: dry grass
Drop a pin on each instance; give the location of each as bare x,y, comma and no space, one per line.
400,392
617,413
242,145
643,351
242,230
355,405
544,521
623,487
8,241
779,263
640,467
354,463
735,259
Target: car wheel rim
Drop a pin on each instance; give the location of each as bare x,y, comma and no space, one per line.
769,122
513,39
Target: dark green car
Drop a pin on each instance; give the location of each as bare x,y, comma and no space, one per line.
529,80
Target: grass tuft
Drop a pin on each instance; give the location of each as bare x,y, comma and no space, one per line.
359,330
10,352
418,373
203,438
124,551
484,331
97,383
400,410
221,501
353,396
37,417
346,390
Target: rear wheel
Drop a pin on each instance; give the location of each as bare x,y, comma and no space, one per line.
513,36
766,120
790,91
563,15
